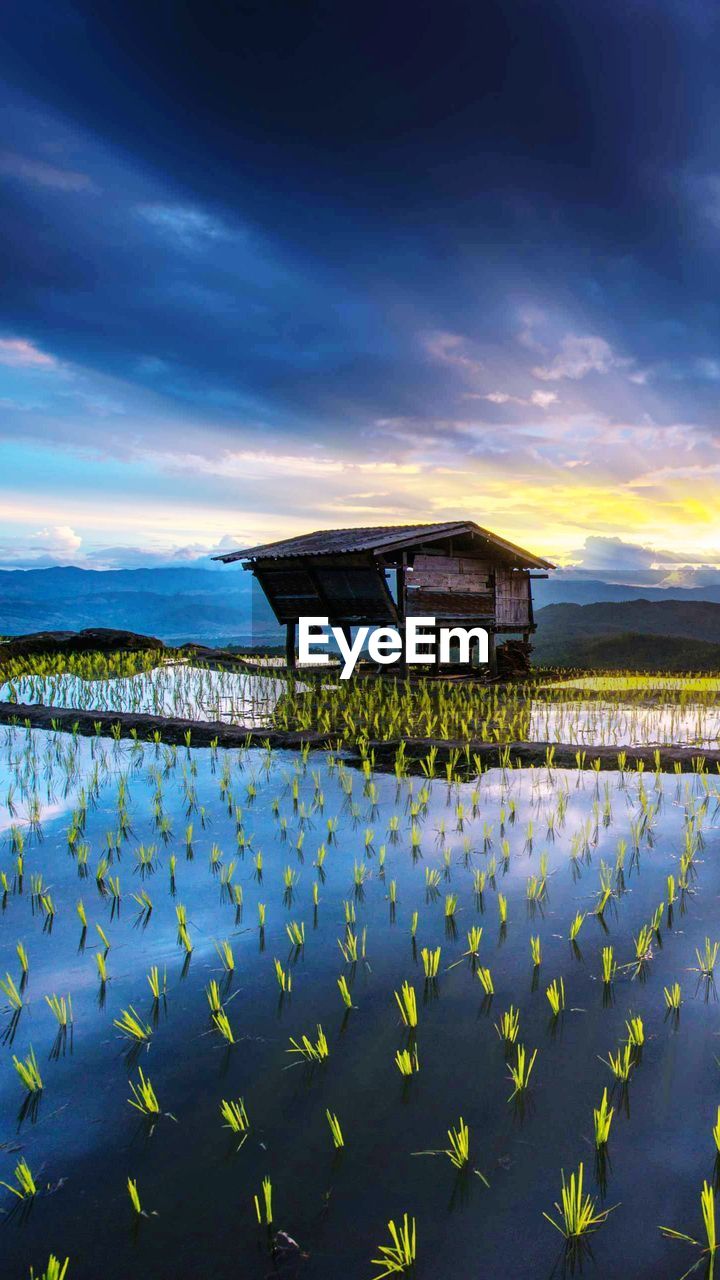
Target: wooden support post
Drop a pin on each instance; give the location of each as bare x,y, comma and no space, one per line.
290,646
401,580
492,654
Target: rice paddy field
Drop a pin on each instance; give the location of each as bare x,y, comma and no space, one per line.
601,711
271,1012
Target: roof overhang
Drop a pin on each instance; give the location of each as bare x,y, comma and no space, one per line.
388,541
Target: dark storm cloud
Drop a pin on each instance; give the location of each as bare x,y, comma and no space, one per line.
388,229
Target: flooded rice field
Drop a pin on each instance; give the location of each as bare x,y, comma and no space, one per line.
259,1004
681,713
614,724
177,689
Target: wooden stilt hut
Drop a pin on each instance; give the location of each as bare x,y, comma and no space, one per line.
456,572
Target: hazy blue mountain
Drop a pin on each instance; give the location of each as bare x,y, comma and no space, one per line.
647,634
174,604
567,590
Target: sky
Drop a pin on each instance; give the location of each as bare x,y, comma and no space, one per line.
276,266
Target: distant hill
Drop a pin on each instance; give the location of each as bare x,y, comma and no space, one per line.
174,604
646,634
561,589
634,652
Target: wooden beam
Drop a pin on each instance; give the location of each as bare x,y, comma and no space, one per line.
290,645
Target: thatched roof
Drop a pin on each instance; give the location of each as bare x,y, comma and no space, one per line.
326,542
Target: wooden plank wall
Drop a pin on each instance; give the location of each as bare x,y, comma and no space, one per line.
512,596
450,587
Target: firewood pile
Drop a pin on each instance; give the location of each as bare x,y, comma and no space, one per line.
513,659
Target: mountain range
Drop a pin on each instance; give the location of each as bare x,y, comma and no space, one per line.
580,621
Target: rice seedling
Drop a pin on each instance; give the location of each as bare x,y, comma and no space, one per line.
143,1098
29,1072
431,961
556,996
602,1119
103,938
709,1246
81,913
502,908
577,1212
657,918
576,925
397,1258
61,1008
509,1025
414,923
407,1061
225,952
284,978
407,1004
236,1118
621,1063
309,1051
296,933
266,1214
47,906
636,1032
643,945
458,1152
26,1186
101,966
479,878
474,937
535,951
521,1070
158,986
345,992
134,1195
222,1024
13,996
360,871
535,889
349,948
673,996
451,903
485,979
131,1025
55,1270
335,1130
707,958
212,991
22,956
609,966
144,902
